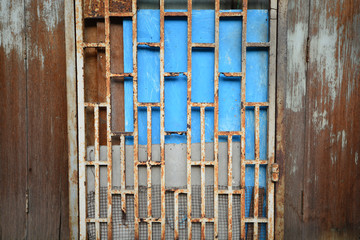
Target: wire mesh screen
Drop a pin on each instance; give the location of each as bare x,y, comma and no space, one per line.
123,70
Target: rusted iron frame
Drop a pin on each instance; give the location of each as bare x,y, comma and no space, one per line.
243,100
162,114
203,45
271,117
202,167
216,119
229,182
81,118
257,166
108,119
135,109
188,118
72,126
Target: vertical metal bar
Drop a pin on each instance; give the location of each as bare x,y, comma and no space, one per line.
202,173
148,164
97,172
188,135
108,119
229,146
176,215
257,159
81,118
135,109
271,117
123,172
243,100
162,115
71,118
216,120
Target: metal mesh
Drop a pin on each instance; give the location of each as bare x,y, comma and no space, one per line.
123,223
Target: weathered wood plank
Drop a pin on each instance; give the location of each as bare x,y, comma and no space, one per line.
47,117
332,169
13,145
294,115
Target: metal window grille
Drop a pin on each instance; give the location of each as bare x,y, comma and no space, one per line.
173,213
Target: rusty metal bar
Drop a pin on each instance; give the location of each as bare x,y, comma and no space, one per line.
231,14
202,167
203,45
93,45
149,44
148,169
188,119
81,118
136,130
176,14
120,75
271,118
162,114
97,172
258,44
257,158
232,74
216,119
243,100
229,146
123,173
121,14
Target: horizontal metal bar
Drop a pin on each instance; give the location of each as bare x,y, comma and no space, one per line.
197,220
121,134
232,74
240,191
122,191
121,75
252,162
96,163
93,45
90,104
195,104
139,104
201,163
93,220
175,133
256,220
231,14
151,163
230,133
149,220
256,104
150,44
176,14
174,74
203,45
121,14
258,44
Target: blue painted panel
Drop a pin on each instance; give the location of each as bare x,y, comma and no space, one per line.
129,113
148,25
128,51
249,134
263,133
175,103
202,82
257,26
229,103
175,45
257,69
142,125
203,26
230,44
148,74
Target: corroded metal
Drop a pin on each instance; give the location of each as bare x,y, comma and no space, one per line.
107,11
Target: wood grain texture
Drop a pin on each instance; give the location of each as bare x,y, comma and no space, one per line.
13,145
47,118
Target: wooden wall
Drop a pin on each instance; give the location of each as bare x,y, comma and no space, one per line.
318,119
318,126
33,121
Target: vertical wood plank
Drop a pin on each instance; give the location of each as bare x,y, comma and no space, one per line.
13,145
332,169
47,117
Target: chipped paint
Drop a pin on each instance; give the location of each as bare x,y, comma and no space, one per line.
12,25
320,121
49,12
356,158
297,48
343,140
